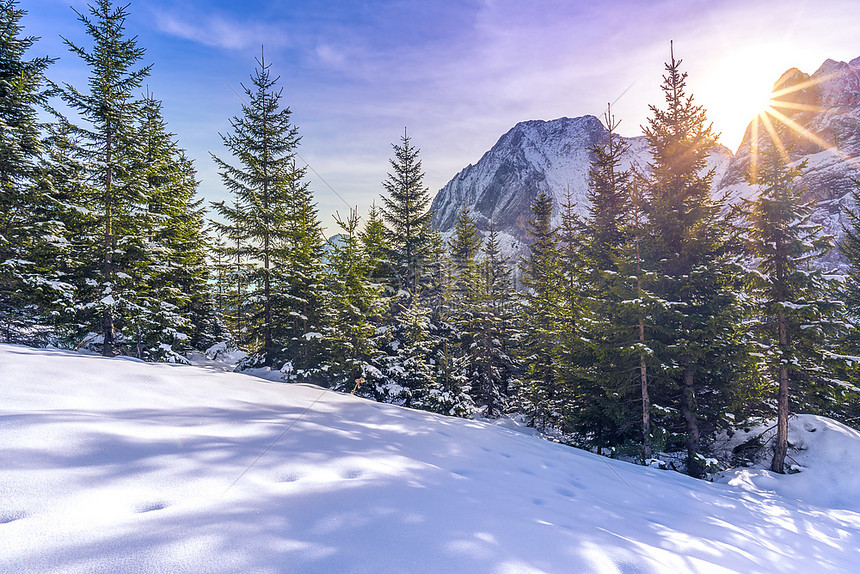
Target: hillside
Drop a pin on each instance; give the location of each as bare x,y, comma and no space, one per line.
110,465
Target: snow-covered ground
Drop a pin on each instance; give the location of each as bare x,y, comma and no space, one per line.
110,465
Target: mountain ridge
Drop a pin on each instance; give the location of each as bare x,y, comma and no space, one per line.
817,115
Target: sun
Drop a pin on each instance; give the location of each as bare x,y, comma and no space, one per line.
743,99
733,95
777,122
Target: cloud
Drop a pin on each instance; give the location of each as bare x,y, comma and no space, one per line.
220,32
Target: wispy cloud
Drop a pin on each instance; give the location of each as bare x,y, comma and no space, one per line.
220,32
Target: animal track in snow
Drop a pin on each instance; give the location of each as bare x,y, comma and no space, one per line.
151,506
7,516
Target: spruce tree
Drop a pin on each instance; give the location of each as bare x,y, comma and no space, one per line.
795,318
581,396
274,223
465,306
303,288
491,367
109,251
541,380
354,305
28,281
231,253
611,381
374,242
175,310
463,247
850,342
687,252
405,211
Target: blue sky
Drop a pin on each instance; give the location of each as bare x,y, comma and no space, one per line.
457,74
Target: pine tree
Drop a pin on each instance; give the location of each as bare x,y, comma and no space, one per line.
464,246
850,342
29,282
574,356
175,311
275,224
686,250
113,192
375,244
304,289
540,312
608,387
631,266
354,305
405,211
465,306
230,252
491,367
795,321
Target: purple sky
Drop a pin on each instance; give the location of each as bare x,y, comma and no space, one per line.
457,73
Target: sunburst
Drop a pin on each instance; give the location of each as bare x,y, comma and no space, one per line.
774,121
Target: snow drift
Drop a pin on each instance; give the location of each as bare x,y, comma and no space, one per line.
109,465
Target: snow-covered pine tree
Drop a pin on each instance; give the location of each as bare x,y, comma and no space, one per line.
610,384
29,252
303,291
694,282
406,212
354,305
850,342
406,370
795,322
108,252
275,224
374,242
639,308
491,368
175,308
231,257
463,248
464,307
541,380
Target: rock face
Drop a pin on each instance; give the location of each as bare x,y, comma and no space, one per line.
532,157
817,118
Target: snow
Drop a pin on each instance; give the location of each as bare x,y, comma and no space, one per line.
117,466
826,453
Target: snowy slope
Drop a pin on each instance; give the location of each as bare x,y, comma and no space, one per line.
824,450
109,465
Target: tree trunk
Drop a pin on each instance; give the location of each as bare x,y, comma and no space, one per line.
780,449
643,372
694,469
646,403
268,344
107,315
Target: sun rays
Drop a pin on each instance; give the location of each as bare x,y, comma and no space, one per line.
780,123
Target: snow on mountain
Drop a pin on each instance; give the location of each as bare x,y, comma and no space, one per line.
553,156
533,157
111,465
817,118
